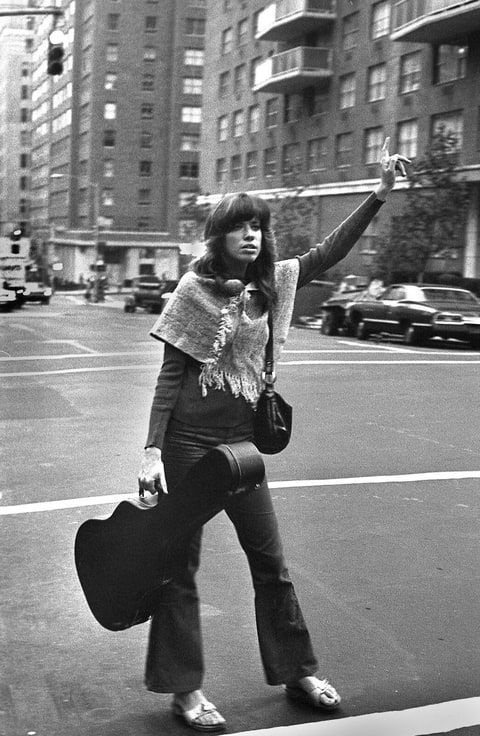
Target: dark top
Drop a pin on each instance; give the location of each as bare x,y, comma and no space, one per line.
178,393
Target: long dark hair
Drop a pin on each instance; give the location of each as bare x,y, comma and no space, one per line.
232,209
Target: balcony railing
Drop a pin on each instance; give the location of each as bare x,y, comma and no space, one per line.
288,19
434,21
294,69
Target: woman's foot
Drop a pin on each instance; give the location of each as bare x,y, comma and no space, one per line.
313,691
197,711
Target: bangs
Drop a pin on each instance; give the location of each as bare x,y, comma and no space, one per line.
236,208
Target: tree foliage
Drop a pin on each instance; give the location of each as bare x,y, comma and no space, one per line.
434,216
294,218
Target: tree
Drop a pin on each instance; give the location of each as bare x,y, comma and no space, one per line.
434,217
294,217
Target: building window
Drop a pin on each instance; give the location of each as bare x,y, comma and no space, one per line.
350,31
149,53
242,32
343,149
194,57
191,114
109,138
377,83
407,138
227,5
380,22
374,138
449,123
317,150
238,120
227,41
239,79
221,170
145,168
146,140
111,52
252,164
113,21
192,85
24,114
290,157
189,170
23,160
111,80
450,63
291,108
195,26
254,119
347,91
270,161
190,142
223,84
236,167
271,112
151,23
107,197
110,111
410,71
254,64
222,128
146,111
148,82
108,168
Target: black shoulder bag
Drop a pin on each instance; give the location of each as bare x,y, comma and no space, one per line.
272,424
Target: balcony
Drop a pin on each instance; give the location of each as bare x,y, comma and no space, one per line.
435,21
287,19
294,69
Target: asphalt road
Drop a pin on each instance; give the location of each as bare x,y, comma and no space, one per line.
377,497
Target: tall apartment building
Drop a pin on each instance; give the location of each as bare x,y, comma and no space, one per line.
116,136
313,87
15,43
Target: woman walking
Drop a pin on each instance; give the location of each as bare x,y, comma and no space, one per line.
215,330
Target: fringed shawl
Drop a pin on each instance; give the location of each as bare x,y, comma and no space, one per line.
227,334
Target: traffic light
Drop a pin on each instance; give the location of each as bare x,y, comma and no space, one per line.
56,52
15,237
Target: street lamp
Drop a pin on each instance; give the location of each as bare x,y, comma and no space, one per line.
93,185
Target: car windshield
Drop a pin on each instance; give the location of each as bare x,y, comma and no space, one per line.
449,295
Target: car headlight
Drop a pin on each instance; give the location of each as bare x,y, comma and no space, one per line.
48,292
448,317
27,292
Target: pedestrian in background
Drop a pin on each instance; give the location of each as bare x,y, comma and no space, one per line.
215,330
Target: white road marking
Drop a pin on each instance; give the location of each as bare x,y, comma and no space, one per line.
73,343
136,367
71,503
427,719
69,356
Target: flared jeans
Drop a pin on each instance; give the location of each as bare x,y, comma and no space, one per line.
175,656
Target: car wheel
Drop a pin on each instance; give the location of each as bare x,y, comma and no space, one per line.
361,332
329,324
128,308
46,300
475,342
412,336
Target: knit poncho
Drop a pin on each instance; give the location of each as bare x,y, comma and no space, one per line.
227,335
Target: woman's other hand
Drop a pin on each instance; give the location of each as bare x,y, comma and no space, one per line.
152,473
389,166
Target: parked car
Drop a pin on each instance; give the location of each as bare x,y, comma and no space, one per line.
334,310
36,291
417,313
149,292
7,299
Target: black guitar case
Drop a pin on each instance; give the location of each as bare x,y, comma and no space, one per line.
125,560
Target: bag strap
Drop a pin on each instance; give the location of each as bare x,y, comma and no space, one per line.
269,376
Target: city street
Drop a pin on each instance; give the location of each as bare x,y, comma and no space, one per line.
378,500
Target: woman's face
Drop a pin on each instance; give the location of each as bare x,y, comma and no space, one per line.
242,245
